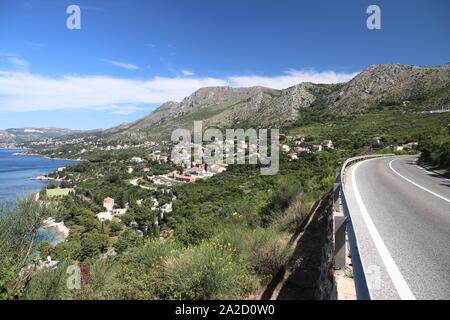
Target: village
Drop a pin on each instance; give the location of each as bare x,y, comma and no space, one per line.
138,169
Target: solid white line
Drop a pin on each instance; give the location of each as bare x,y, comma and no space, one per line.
417,185
399,282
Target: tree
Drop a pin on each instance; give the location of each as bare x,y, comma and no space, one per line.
92,244
129,238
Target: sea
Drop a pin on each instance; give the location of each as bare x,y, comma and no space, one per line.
17,172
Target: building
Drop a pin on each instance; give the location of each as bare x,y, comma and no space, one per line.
317,147
120,212
376,141
301,149
217,168
136,160
327,144
410,145
181,177
285,148
167,208
130,170
108,204
292,156
299,141
104,216
84,198
198,170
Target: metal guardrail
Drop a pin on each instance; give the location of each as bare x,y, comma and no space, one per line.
342,222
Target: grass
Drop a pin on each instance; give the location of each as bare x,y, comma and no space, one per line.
58,192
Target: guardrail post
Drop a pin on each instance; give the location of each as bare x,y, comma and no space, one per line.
339,240
339,228
336,196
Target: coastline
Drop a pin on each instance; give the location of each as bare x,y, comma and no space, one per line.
38,178
26,154
60,230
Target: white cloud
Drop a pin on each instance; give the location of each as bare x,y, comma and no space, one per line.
187,73
16,61
122,65
290,78
22,91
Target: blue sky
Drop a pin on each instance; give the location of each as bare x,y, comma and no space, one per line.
130,56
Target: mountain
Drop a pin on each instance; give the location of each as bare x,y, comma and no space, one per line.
225,107
27,135
391,85
380,86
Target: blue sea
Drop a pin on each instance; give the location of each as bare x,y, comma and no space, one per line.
16,173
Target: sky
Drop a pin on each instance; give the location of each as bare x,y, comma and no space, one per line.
131,56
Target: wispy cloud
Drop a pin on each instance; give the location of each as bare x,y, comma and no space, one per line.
15,60
290,78
187,73
122,65
22,91
36,44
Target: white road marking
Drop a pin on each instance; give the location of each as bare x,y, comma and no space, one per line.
399,282
417,185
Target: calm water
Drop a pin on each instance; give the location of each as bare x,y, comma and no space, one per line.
16,173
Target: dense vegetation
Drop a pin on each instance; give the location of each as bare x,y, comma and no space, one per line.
226,237
436,151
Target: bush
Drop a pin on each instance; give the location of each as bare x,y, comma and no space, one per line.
280,201
294,216
269,251
195,229
49,284
207,271
115,227
92,244
128,238
102,282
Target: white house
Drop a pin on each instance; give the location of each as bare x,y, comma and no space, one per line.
136,160
328,144
104,216
167,208
120,212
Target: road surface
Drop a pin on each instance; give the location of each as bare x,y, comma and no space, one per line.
401,217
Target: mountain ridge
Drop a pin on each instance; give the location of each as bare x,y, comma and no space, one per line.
380,85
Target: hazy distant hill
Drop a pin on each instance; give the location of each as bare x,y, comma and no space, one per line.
26,135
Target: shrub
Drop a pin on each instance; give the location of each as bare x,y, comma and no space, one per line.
128,238
294,216
207,271
102,283
268,251
49,284
195,229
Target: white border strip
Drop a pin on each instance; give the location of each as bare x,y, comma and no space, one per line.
417,185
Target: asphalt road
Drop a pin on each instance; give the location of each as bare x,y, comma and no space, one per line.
401,217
